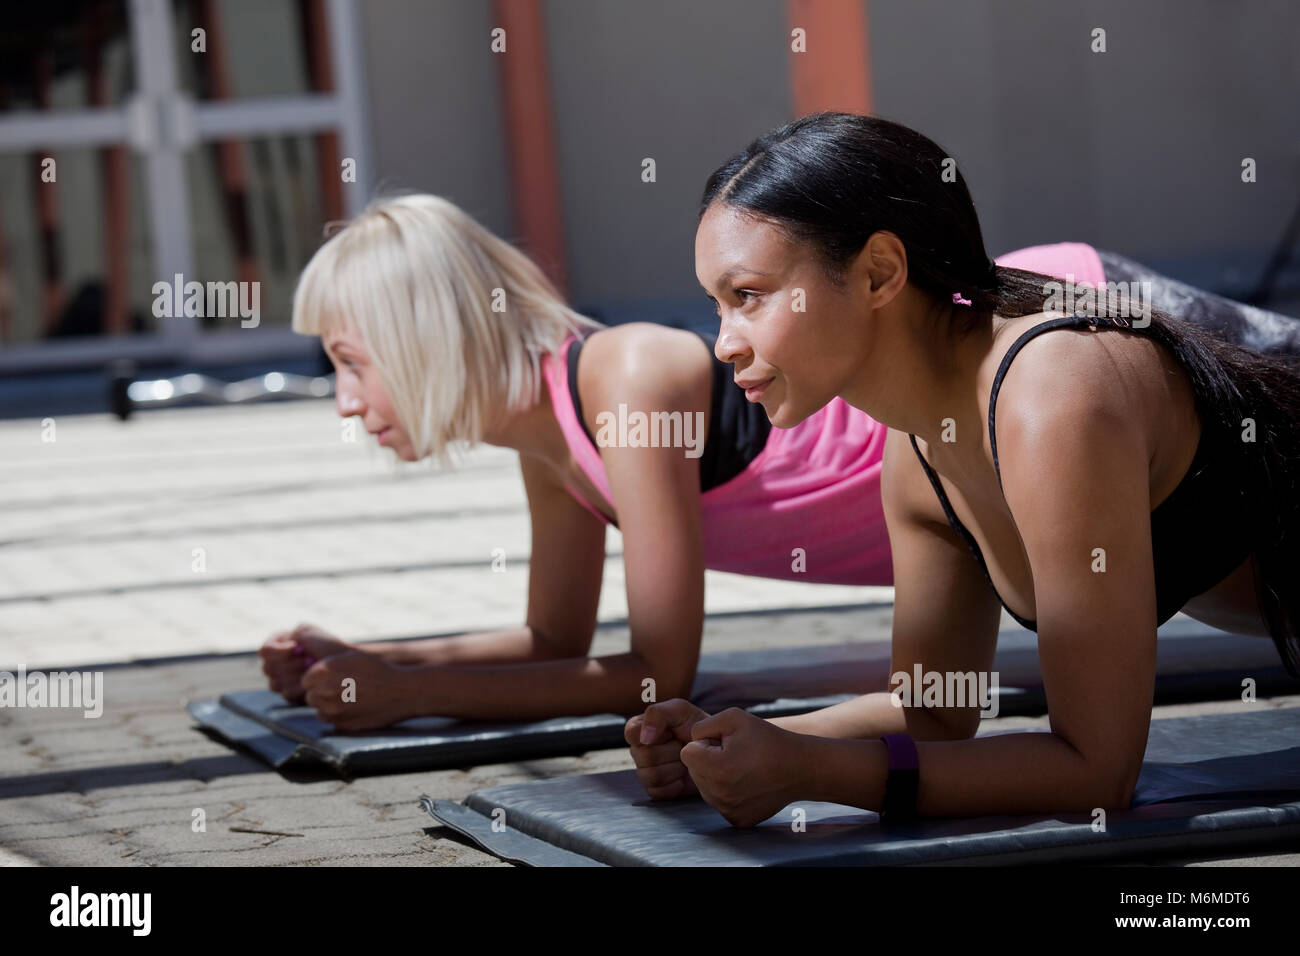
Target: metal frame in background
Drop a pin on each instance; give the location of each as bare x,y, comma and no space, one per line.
161,123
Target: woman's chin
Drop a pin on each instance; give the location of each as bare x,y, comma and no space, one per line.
781,415
400,449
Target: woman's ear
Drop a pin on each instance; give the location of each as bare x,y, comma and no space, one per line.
882,266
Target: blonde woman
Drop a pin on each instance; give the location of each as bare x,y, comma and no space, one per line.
441,333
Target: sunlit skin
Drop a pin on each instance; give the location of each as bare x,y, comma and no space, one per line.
1093,431
541,669
359,390
847,341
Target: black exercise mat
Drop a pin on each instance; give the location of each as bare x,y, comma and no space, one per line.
1193,663
1209,783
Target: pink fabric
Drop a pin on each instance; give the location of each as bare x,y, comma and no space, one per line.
555,369
815,486
1058,259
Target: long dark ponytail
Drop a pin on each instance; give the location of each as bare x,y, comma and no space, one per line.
831,180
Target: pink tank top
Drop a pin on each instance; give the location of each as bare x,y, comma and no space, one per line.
808,507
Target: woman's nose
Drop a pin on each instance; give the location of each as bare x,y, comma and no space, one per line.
349,404
729,346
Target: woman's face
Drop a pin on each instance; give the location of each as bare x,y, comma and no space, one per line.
358,390
790,333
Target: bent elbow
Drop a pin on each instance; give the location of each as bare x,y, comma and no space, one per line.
1119,785
1129,788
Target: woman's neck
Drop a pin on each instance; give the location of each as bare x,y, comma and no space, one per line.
925,377
533,431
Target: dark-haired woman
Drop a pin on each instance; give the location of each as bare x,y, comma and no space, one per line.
1094,473
800,504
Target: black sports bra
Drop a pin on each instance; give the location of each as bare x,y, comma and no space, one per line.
1199,534
738,428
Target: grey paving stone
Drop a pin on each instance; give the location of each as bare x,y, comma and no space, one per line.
298,525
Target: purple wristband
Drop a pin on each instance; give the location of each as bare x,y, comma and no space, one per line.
904,777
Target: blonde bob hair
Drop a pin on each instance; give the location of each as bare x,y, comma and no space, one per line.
455,319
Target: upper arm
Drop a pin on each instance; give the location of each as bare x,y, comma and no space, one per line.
1075,471
567,563
945,614
656,492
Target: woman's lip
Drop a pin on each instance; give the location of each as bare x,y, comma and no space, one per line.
755,393
379,436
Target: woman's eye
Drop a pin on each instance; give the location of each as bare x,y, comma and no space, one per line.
742,294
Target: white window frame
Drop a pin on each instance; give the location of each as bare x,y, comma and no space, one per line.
161,123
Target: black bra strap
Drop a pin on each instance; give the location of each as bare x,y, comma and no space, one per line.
1068,321
574,351
969,538
951,515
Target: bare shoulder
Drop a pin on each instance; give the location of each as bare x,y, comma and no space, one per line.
647,363
1075,404
1065,378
